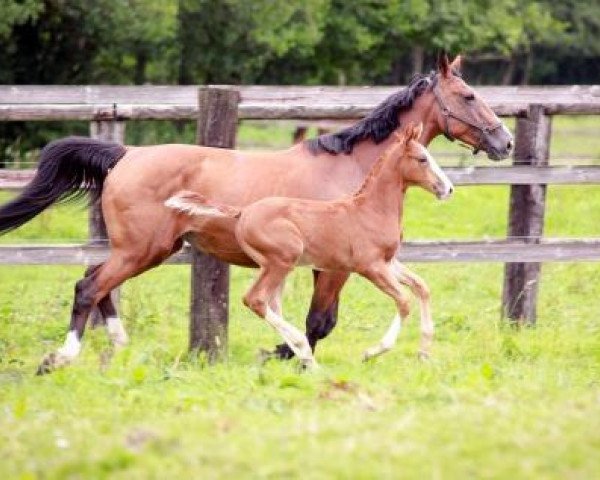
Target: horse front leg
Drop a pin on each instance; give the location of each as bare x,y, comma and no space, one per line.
322,316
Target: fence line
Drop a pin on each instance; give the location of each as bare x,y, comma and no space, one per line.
533,106
514,175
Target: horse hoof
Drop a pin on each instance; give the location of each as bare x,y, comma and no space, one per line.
47,365
51,362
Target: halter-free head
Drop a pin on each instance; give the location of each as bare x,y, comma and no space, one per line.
417,166
463,115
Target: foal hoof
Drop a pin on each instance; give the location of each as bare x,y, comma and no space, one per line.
369,355
309,365
283,352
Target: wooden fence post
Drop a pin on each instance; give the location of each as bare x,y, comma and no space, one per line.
111,131
526,216
217,124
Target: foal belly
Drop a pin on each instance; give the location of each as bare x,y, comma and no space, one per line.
217,237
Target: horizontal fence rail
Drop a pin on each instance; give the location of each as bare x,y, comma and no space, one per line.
514,175
554,250
22,103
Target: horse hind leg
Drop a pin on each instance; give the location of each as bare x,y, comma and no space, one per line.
105,314
93,290
82,306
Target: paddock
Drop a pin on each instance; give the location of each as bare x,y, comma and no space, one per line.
493,402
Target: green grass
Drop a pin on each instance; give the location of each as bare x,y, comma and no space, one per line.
493,402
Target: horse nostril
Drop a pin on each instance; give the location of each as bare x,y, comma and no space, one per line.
509,145
450,190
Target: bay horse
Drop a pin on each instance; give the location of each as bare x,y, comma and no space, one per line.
359,233
134,182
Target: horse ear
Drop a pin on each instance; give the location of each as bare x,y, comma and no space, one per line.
456,64
443,64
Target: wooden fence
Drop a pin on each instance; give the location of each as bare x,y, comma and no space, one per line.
217,110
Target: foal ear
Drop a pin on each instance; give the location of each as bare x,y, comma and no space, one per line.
443,64
456,64
406,135
417,131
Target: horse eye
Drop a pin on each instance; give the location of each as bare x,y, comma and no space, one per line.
422,159
470,97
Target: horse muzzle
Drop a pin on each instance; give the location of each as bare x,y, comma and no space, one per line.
498,144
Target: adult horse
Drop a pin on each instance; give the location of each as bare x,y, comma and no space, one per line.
134,183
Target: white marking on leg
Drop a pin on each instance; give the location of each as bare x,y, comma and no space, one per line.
116,331
387,341
71,347
293,337
419,288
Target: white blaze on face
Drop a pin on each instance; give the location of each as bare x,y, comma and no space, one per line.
445,182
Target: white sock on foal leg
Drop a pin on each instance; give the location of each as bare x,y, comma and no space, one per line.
293,337
387,341
116,331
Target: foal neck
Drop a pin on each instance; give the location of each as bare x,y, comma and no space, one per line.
383,188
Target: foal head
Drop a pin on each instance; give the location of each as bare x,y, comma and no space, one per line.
463,114
416,165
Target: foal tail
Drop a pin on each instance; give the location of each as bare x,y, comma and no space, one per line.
68,169
196,204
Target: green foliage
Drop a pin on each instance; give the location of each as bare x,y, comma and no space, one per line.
16,13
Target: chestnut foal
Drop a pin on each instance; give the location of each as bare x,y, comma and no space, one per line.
359,233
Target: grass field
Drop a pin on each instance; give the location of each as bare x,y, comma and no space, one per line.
493,402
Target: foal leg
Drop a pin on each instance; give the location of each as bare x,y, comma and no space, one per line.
258,299
420,289
383,277
322,316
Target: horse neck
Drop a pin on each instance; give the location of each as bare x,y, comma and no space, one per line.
422,111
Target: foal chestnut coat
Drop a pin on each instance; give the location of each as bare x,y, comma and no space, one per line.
359,233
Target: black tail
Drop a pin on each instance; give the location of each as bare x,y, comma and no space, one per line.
68,169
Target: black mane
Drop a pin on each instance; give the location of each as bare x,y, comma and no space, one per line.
378,125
